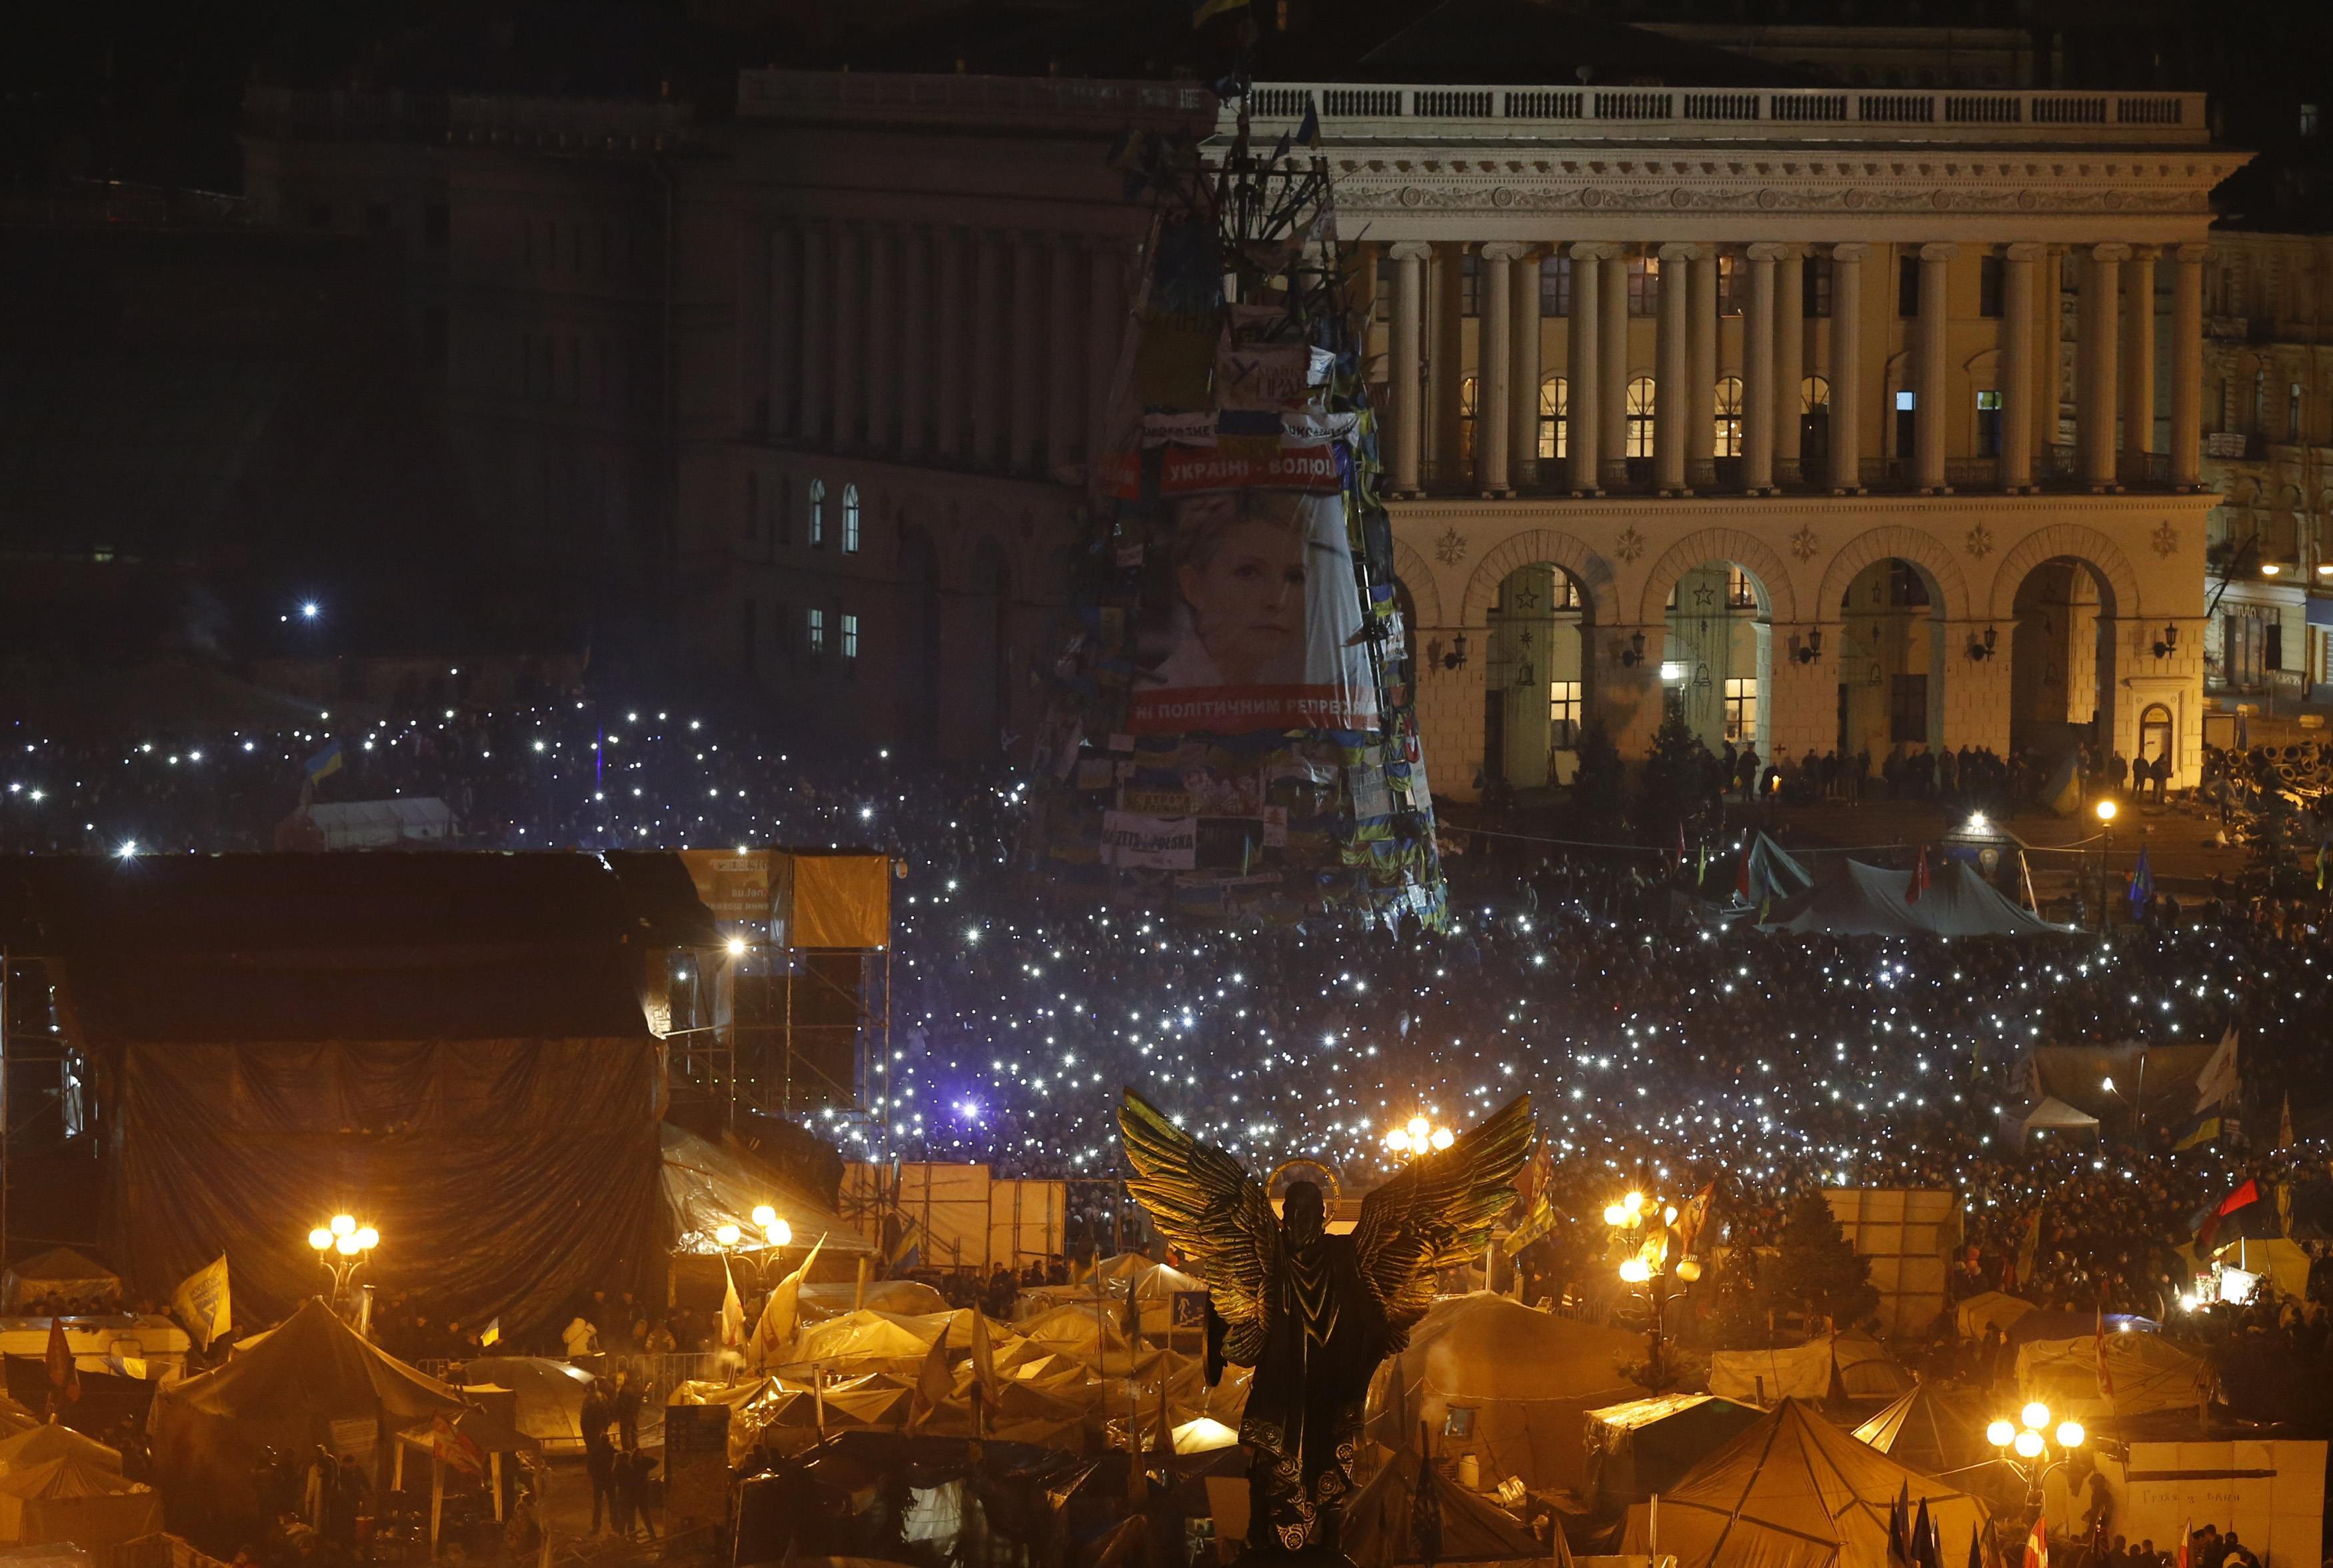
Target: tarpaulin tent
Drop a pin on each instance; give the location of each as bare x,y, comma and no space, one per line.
1869,901
2159,1080
1941,1433
2065,1323
2283,1261
61,1272
2054,1118
2148,1371
708,1185
1865,1370
38,1445
69,1497
469,1031
312,1381
1155,1289
1989,1309
1644,1446
900,1297
1519,1381
550,1395
1762,1376
1796,1492
1379,1520
1772,872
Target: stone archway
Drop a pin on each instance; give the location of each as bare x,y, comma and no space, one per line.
1719,544
1416,575
1919,546
2086,545
1540,547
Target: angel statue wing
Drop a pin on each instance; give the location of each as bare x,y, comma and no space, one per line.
1216,1215
1439,1212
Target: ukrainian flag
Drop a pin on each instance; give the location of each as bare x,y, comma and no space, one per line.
324,763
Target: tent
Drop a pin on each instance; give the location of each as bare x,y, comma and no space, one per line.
1764,1376
70,1497
1989,1309
1156,1286
1865,1370
1796,1492
494,1438
904,1297
708,1185
2149,1373
1378,1519
2055,1117
1642,1447
2281,1260
550,1397
1773,873
2059,1322
39,1445
60,1272
312,1381
1868,900
1941,1434
1508,1383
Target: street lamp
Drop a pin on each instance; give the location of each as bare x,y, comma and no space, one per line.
342,1247
1419,1137
2032,1447
1641,1231
781,1235
2107,810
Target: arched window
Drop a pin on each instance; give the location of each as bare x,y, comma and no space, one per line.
1640,416
1554,418
851,519
1814,424
2154,734
1814,393
817,514
1729,417
1466,400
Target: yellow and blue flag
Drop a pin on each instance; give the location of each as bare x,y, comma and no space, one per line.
324,763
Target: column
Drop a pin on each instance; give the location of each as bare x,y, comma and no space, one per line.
1612,370
849,351
1407,393
2048,344
1700,372
2018,423
1671,401
1062,378
882,310
1790,358
1027,349
2100,376
1582,439
1930,366
786,337
1493,328
1523,375
1846,368
2187,366
817,333
1105,332
1759,400
2138,362
986,371
952,344
915,340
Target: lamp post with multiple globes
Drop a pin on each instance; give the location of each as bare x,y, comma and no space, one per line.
2033,1448
1419,1137
342,1246
780,1236
1641,1233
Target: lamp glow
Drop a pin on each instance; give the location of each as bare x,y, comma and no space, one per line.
2105,810
2000,1434
344,1225
1418,1130
2035,1416
780,1233
1635,1272
764,1216
321,1240
1615,1215
1634,1202
2070,1434
2028,1445
346,1246
1669,1214
729,1236
1397,1141
367,1238
1444,1137
736,947
1688,1269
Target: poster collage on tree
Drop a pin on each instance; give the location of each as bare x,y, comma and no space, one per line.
1231,733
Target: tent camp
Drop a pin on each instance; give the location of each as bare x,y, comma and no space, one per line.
550,1397
1381,1519
1508,1383
1869,901
1156,1286
1989,1309
904,1297
1939,1433
708,1185
312,1381
60,1272
1796,1492
1852,1364
1642,1447
2148,1371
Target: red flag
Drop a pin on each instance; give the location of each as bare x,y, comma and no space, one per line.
2243,1197
2037,1545
1919,883
457,1447
2186,1555
64,1377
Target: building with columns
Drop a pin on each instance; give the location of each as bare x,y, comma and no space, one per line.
1863,421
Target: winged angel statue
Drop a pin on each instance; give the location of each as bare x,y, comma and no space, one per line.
1312,1313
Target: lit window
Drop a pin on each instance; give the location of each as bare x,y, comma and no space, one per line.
851,519
1728,421
814,632
1641,397
1741,709
850,636
1554,418
1564,699
817,518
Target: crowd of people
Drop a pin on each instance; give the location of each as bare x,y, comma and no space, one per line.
1763,1063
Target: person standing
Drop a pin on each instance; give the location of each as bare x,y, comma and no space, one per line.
599,1454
